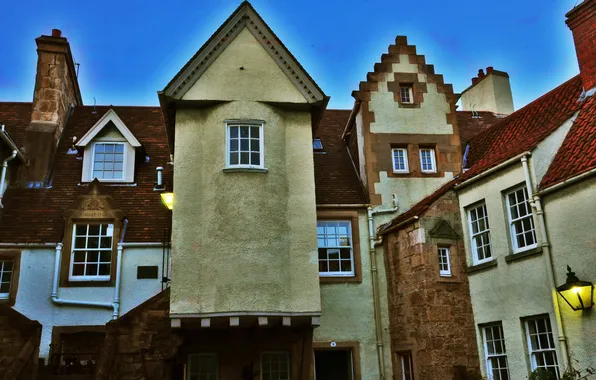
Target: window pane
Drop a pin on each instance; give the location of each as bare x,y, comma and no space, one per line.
79,256
104,269
109,148
233,145
244,132
119,148
255,158
92,256
244,145
233,158
233,132
78,269
99,148
254,145
244,158
254,132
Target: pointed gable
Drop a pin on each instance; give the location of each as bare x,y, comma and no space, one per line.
244,60
110,118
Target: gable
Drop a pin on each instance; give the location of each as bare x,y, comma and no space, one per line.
109,120
244,71
245,19
443,230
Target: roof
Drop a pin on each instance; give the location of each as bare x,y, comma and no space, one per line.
35,215
472,123
16,116
336,181
577,154
522,131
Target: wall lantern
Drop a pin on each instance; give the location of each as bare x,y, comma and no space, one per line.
578,294
168,200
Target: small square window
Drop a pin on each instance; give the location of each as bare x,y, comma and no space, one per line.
427,160
108,161
400,160
245,145
406,94
444,262
336,256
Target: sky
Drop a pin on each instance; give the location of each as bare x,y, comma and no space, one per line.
128,50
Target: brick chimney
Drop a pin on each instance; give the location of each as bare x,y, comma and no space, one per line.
582,22
488,92
56,90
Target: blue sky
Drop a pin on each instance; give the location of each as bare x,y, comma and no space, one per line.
128,50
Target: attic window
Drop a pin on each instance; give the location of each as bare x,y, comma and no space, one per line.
317,145
406,94
108,161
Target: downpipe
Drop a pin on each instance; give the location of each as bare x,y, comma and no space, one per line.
3,175
115,305
375,283
537,206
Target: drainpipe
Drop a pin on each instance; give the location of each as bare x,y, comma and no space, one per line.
3,175
115,305
375,283
537,206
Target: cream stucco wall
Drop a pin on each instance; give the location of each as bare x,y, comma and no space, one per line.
260,79
244,241
35,286
493,93
543,154
348,310
510,291
570,218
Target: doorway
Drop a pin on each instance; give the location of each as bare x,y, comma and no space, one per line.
334,365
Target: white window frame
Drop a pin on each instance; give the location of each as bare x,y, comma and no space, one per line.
239,123
124,160
406,168
76,278
512,221
5,296
198,356
488,356
410,90
473,235
432,159
550,337
404,375
289,361
447,256
336,250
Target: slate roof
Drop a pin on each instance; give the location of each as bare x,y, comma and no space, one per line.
35,215
470,125
522,131
336,181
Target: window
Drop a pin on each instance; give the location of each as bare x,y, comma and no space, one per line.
317,144
335,248
275,366
541,345
400,160
480,234
444,264
6,270
407,366
245,145
202,367
521,220
108,161
496,354
405,94
91,257
427,160
334,364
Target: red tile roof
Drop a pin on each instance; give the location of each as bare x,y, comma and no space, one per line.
577,153
35,215
336,181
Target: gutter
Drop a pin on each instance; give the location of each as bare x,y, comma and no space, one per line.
491,170
375,283
400,224
3,175
567,182
115,305
537,206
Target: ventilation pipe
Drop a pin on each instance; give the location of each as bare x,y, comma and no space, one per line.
159,184
3,175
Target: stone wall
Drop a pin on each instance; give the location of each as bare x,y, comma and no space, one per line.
19,345
430,315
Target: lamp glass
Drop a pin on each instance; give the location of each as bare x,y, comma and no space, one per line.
578,294
168,200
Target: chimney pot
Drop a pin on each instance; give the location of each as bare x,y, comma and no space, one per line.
56,33
474,80
489,69
480,74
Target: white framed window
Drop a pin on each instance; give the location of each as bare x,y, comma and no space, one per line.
480,234
407,366
444,262
275,365
109,160
6,273
400,160
202,367
244,146
521,220
91,257
497,367
541,345
406,94
428,163
336,256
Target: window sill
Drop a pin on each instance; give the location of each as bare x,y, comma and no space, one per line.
245,170
523,255
409,105
87,284
7,301
339,279
482,267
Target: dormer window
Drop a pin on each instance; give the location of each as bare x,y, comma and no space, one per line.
109,151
